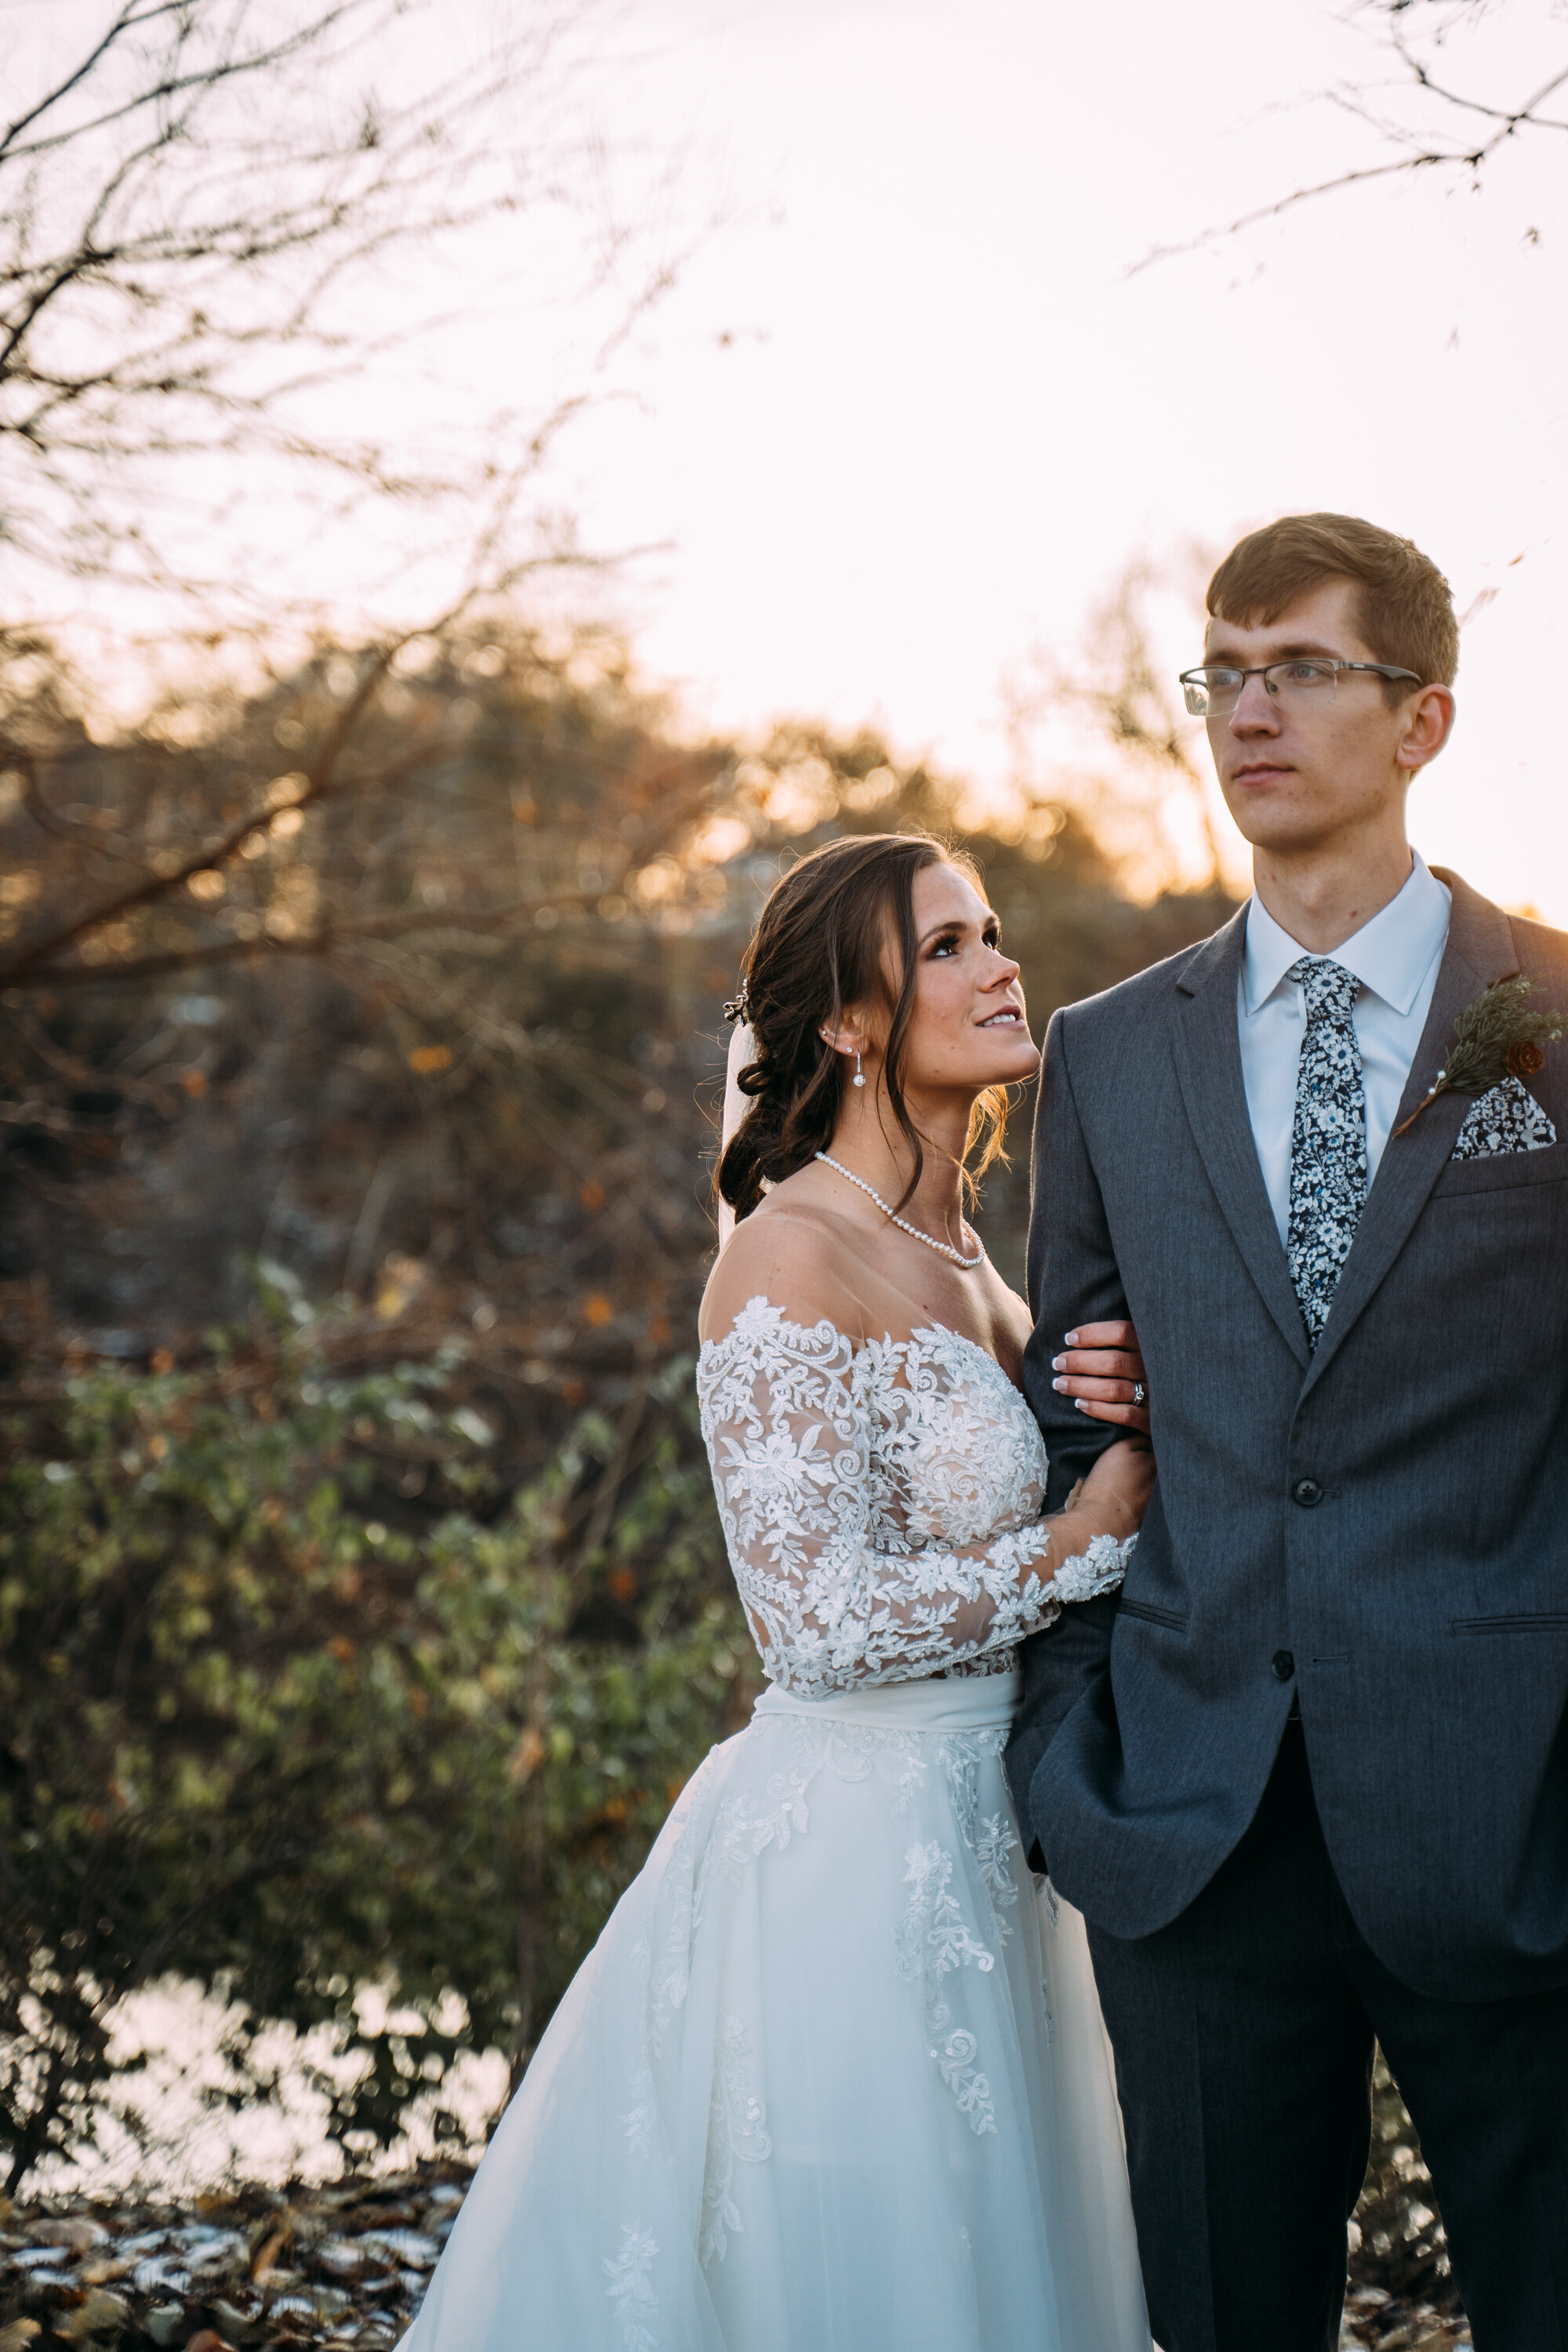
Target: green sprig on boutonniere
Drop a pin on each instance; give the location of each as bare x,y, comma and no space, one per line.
1496,1036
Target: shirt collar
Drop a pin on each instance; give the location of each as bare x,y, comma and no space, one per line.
1391,955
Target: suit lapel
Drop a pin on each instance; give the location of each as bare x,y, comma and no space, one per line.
1208,1066
1479,950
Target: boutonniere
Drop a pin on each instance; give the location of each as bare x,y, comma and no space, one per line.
1496,1036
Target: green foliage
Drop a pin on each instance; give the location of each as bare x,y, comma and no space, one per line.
1490,1032
257,1738
1496,1036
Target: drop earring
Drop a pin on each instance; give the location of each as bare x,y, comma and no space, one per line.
858,1078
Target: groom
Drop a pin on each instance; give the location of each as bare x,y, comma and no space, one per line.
1307,1776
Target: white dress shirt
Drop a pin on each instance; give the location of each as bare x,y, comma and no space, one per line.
1395,957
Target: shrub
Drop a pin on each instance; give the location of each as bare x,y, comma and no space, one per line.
257,1738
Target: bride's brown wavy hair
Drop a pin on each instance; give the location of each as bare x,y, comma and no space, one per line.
825,940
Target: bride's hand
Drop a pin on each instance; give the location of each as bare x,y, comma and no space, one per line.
1115,1492
1103,1369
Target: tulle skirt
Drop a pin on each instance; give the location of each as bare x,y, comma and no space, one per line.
834,2078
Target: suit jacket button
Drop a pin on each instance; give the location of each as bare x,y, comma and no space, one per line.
1305,1491
1284,1665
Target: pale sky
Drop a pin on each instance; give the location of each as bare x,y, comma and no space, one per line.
947,417
906,415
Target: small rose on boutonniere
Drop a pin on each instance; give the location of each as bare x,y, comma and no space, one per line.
1497,1036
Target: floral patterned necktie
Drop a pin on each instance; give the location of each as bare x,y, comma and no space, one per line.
1328,1141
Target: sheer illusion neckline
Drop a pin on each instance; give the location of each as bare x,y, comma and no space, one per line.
826,1328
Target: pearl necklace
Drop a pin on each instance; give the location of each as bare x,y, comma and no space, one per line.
968,1263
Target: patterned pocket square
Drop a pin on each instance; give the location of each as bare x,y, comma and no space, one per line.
1509,1118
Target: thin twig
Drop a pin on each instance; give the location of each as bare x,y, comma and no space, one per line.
1424,158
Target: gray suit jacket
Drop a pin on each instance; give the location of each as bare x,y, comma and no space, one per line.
1381,1527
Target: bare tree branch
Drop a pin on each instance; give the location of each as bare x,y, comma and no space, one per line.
128,19
400,924
157,92
319,781
187,217
1421,154
489,577
1510,121
1218,231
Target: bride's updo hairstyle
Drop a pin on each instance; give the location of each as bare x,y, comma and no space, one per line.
838,929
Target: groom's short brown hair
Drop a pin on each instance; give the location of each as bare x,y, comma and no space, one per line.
1404,607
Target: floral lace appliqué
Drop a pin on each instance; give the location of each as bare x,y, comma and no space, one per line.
881,1504
934,1939
737,2134
638,2120
747,1825
993,1842
630,2288
994,1846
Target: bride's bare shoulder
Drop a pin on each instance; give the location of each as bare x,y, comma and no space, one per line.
795,1253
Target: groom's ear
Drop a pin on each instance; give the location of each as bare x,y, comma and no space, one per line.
1430,725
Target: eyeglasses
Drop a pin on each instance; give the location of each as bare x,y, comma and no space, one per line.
1214,692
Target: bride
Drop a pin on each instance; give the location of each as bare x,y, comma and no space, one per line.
834,2078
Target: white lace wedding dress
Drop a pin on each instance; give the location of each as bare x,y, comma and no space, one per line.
834,2078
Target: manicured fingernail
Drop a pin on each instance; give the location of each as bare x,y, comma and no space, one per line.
1058,1363
1071,1339
1080,1406
1058,1384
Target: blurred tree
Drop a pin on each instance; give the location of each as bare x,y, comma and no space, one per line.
446,994
421,996
1115,696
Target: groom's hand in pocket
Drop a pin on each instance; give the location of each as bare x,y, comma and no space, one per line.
1101,1367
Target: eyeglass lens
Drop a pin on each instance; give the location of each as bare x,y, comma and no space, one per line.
1215,693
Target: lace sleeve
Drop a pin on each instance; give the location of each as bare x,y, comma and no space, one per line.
840,1589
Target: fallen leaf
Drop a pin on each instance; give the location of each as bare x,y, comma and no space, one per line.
71,2230
270,2252
101,2314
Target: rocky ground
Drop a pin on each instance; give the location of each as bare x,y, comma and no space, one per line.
343,2269
1402,2296
1394,2323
